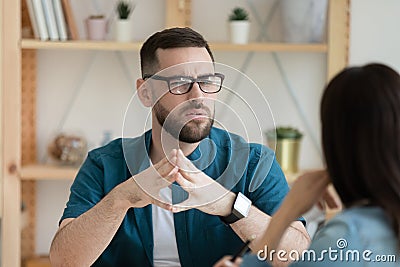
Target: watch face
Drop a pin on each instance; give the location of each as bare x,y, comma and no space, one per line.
242,205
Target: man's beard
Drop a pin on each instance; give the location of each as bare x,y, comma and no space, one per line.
193,131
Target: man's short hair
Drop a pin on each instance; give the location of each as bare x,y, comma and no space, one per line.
168,38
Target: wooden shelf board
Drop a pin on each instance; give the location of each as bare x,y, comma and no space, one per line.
270,47
42,261
80,45
119,46
47,172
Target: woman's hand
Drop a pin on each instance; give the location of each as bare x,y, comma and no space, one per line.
307,191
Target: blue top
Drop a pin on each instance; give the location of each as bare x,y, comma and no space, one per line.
202,239
361,236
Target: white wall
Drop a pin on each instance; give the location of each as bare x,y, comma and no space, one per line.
106,82
374,34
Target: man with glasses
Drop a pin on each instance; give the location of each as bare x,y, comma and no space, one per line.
179,194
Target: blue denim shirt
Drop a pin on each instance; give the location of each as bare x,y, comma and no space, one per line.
361,236
201,238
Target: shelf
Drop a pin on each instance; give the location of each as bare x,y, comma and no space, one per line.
42,261
119,46
54,172
47,172
270,47
79,45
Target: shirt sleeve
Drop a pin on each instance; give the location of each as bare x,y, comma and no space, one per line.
268,186
87,188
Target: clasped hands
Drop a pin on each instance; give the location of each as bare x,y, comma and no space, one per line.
204,192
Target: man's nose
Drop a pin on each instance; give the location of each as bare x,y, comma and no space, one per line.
196,92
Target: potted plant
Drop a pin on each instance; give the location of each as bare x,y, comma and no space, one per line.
239,25
124,27
96,27
286,141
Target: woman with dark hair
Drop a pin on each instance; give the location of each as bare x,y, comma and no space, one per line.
360,117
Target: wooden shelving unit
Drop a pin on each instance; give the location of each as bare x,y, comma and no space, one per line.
19,167
78,45
47,172
270,47
135,46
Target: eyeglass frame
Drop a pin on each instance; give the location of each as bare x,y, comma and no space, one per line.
193,80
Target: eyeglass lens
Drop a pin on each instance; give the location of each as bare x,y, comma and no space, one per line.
208,84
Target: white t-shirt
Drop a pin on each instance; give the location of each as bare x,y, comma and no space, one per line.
165,251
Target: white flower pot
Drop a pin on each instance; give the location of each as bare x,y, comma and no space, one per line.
123,30
304,21
239,31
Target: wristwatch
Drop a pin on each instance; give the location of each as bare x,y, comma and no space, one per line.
240,209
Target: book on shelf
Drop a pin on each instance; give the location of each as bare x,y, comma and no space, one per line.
32,19
60,20
69,17
40,19
50,17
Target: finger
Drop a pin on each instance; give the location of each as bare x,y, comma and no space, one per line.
184,163
168,158
320,205
184,183
162,182
161,204
238,260
177,209
325,179
171,177
331,200
183,206
167,168
186,175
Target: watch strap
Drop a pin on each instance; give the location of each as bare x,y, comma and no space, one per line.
231,218
235,215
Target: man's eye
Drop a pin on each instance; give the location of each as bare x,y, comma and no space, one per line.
178,83
210,80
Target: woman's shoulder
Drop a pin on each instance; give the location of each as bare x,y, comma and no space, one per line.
357,223
358,220
355,237
361,232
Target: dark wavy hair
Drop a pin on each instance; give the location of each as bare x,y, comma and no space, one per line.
168,38
360,116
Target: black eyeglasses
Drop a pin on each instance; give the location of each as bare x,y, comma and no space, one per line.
179,85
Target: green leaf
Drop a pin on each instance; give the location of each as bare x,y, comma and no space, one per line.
124,9
239,13
284,133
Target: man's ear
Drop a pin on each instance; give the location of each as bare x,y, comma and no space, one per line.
144,92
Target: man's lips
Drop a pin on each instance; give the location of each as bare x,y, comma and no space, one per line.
196,114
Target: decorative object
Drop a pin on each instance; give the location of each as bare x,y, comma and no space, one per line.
96,27
123,25
239,26
304,21
286,140
68,149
